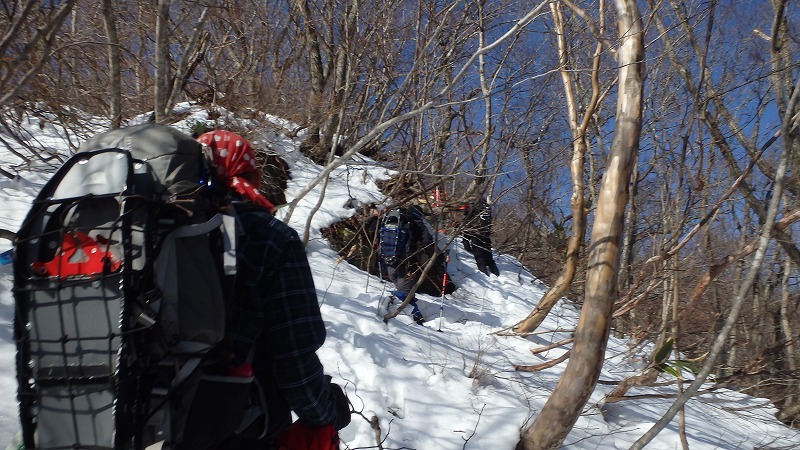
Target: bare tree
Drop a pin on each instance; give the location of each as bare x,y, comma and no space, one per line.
401,117
788,125
565,404
28,44
578,127
161,61
114,64
193,53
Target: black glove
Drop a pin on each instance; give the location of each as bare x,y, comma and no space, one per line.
340,403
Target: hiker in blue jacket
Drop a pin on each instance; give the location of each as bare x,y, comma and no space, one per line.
277,309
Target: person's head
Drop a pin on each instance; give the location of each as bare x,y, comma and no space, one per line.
235,162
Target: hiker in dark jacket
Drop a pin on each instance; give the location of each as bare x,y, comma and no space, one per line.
277,308
477,234
406,259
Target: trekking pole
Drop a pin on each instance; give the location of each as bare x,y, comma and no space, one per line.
444,287
383,288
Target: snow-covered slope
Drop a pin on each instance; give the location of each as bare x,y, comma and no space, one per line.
449,384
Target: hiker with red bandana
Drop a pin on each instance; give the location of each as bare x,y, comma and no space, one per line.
278,310
235,161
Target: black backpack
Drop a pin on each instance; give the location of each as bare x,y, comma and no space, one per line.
484,213
478,217
122,275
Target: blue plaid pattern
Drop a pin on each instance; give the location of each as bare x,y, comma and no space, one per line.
278,309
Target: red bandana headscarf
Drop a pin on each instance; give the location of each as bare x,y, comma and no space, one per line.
235,161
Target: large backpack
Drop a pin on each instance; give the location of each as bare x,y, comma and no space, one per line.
394,237
122,271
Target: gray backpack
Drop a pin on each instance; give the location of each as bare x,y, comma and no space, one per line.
122,276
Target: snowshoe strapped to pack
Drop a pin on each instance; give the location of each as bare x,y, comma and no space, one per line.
394,237
120,274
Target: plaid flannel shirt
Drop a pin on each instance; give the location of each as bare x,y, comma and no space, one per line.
278,308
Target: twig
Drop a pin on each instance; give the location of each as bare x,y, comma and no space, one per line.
475,429
544,365
536,351
7,234
508,332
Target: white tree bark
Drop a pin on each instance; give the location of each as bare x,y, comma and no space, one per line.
576,385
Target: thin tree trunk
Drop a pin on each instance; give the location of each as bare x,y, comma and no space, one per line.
626,272
788,125
576,169
141,54
755,335
665,302
316,71
332,120
786,328
676,349
161,61
788,334
10,84
674,311
738,274
576,385
114,67
479,182
194,51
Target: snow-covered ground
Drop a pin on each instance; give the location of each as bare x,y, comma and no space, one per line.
449,384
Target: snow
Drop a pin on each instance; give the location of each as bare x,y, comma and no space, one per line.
450,384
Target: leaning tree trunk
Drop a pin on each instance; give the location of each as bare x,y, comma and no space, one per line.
577,202
192,55
566,402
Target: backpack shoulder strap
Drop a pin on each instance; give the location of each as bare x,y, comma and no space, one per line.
245,322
